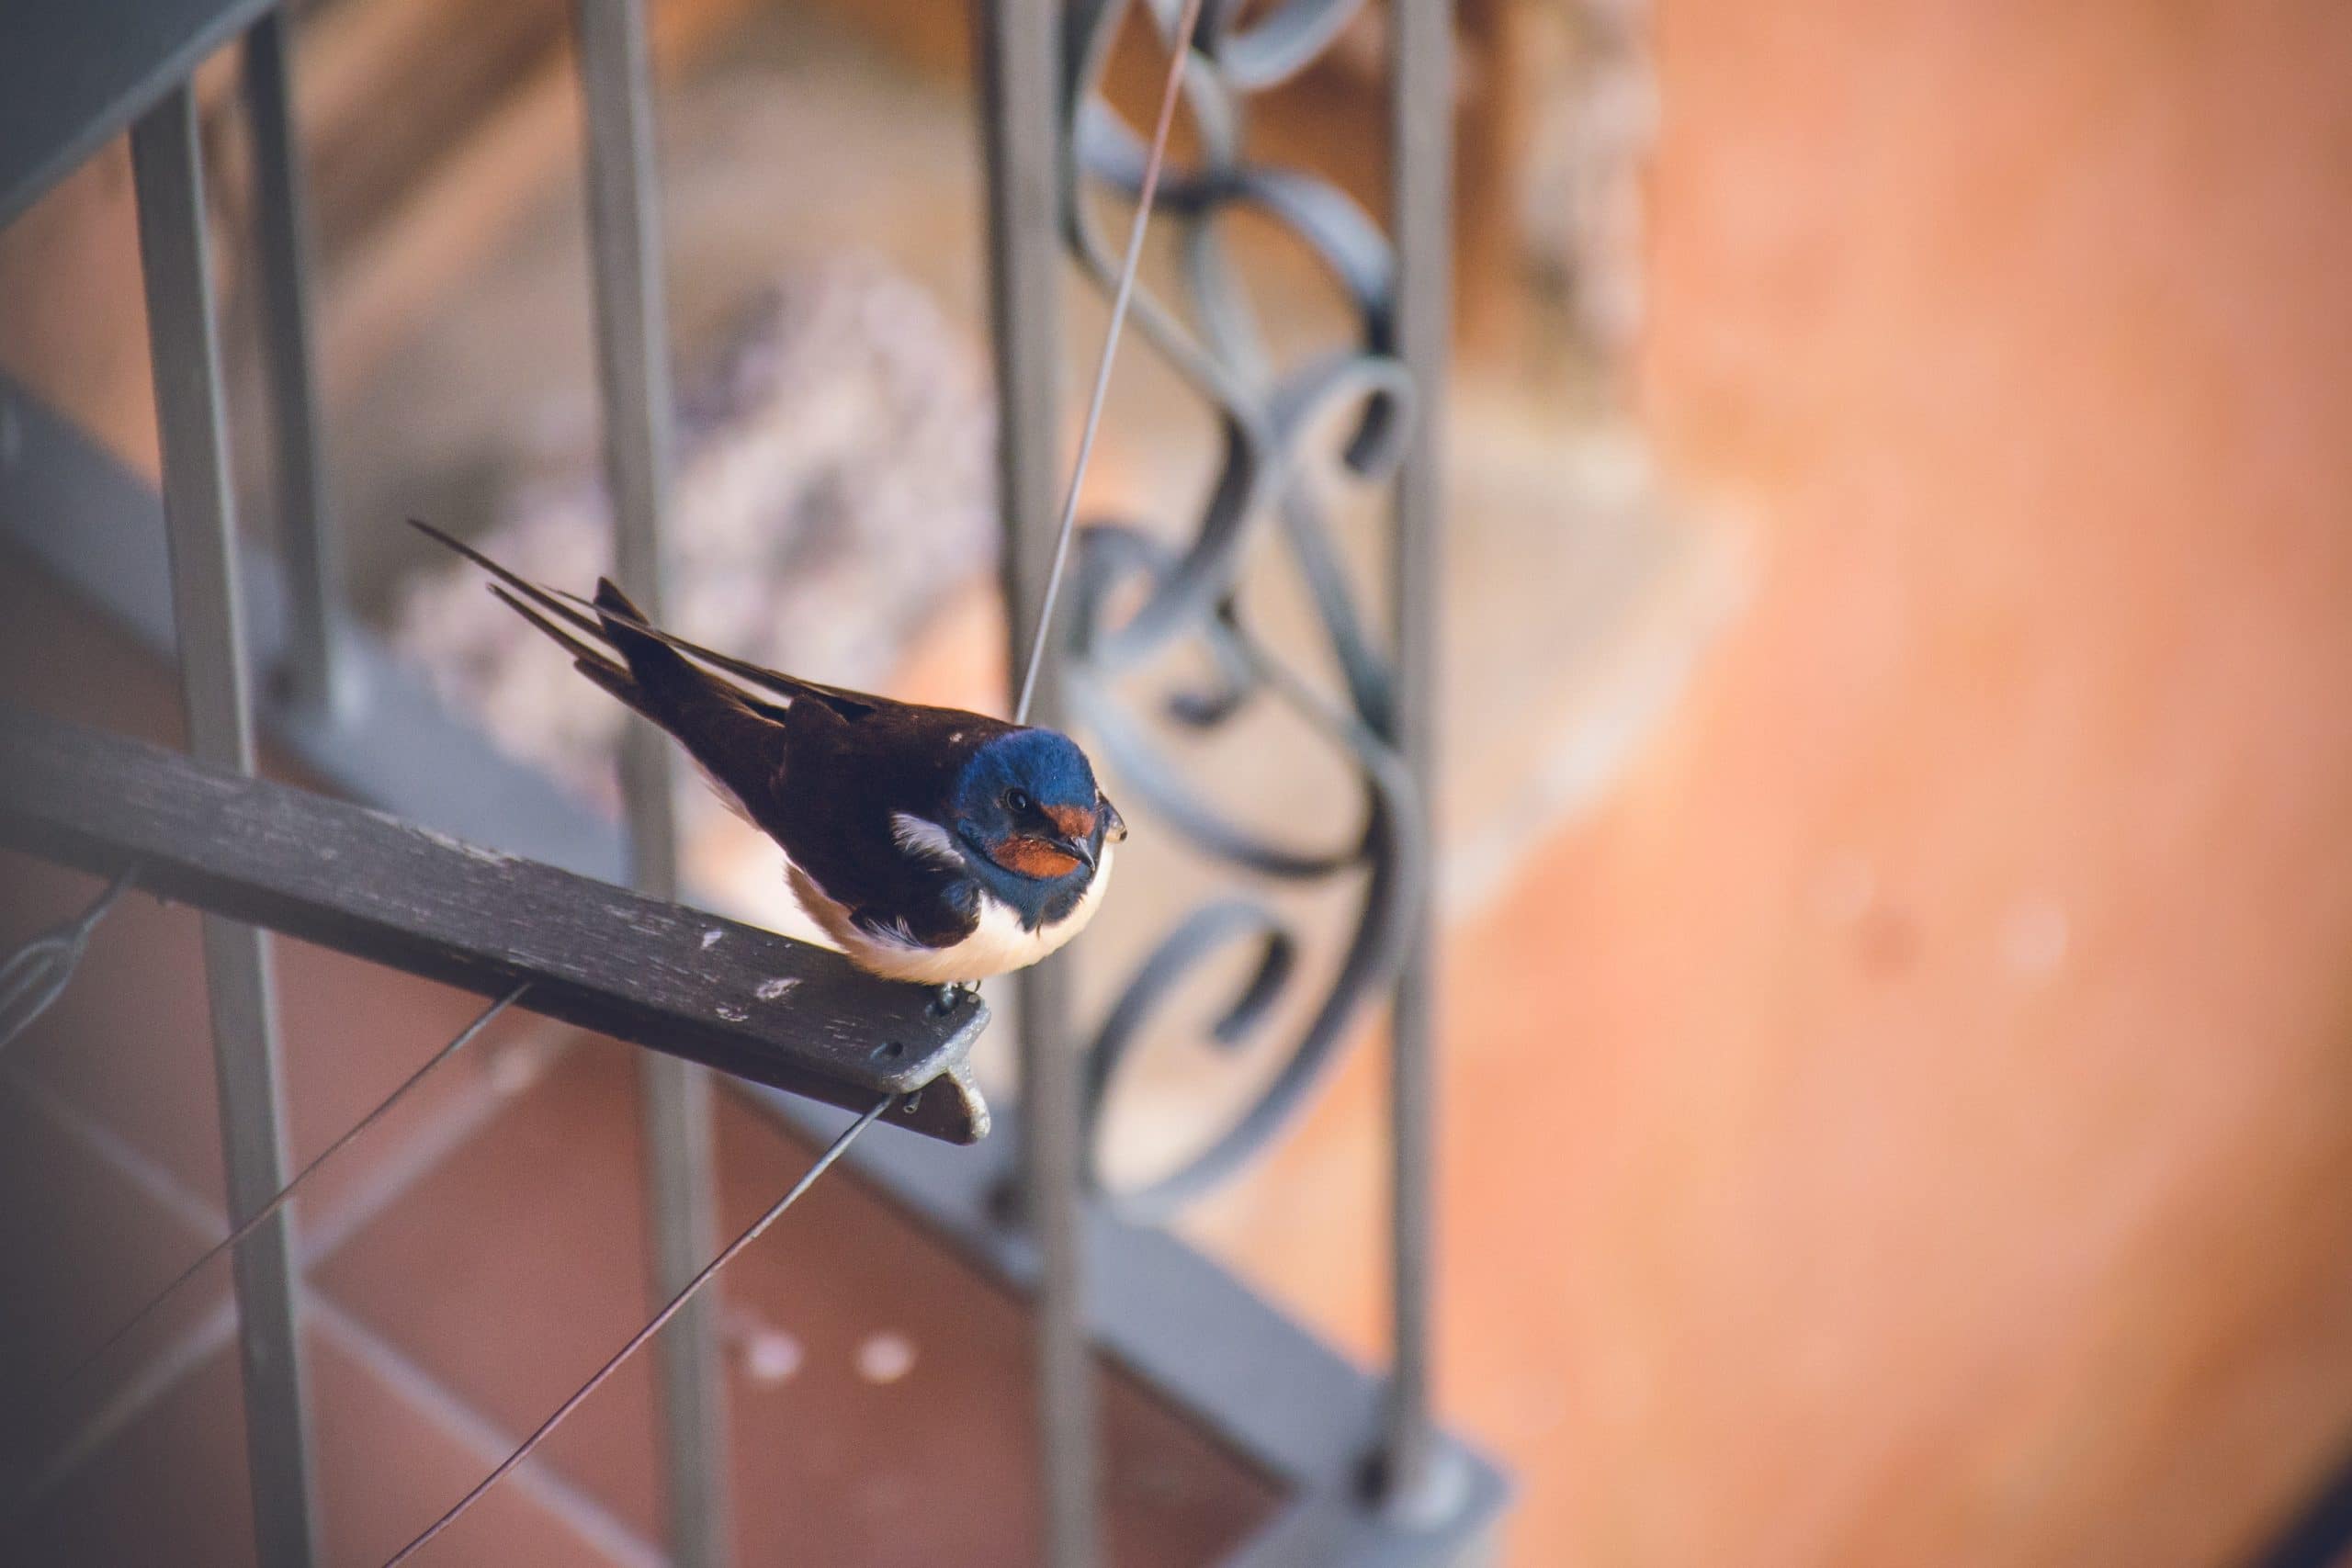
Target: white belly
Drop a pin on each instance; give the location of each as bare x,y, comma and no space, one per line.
998,944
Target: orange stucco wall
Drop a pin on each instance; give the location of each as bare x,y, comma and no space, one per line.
1911,1121
1977,1051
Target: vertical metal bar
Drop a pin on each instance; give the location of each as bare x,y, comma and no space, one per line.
1420,200
315,671
633,366
1020,71
200,520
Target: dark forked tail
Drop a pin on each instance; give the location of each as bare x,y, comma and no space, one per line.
570,608
691,703
728,730
552,613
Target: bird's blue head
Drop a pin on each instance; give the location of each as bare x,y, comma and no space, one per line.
1027,806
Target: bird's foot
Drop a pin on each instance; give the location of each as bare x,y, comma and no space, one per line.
953,995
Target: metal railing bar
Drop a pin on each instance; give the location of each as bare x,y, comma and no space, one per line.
633,372
680,1180
577,1509
633,375
1333,1529
1020,74
69,87
1421,64
285,1194
314,672
1188,15
1053,1082
201,524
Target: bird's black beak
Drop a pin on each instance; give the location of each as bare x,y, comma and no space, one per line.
1082,850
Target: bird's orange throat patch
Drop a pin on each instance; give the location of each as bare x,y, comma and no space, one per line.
1034,858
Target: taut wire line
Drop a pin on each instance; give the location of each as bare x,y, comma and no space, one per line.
260,1216
1179,46
833,1151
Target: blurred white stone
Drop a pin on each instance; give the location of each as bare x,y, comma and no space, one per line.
515,1067
770,1355
885,1358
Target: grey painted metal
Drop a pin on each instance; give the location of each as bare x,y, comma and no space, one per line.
674,979
1421,63
1048,1198
314,672
1137,591
681,1164
74,509
633,371
201,519
74,75
1334,1528
1389,383
1019,69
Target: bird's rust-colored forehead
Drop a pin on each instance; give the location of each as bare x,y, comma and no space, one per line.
1076,821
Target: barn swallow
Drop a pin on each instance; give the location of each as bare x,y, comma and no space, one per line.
932,845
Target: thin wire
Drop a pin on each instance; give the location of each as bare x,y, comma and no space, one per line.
1180,47
677,1303
37,974
260,1216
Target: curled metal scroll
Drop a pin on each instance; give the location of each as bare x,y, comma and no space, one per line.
1187,593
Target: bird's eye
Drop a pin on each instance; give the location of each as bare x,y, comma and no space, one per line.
1017,801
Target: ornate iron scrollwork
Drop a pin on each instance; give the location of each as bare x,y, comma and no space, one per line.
1265,411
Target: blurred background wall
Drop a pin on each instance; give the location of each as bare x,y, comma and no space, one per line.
1908,1121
